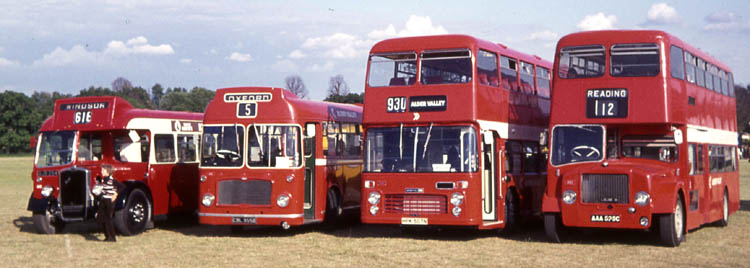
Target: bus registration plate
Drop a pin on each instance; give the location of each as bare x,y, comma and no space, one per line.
243,220
413,221
605,218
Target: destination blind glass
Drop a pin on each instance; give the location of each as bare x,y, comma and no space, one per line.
607,103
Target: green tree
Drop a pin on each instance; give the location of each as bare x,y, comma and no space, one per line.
19,122
348,98
157,92
179,99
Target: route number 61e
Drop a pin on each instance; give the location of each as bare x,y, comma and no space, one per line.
82,117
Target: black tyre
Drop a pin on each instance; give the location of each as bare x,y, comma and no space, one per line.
724,221
511,214
553,227
672,226
46,223
134,218
332,218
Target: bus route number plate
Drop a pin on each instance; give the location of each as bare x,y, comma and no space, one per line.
414,221
243,220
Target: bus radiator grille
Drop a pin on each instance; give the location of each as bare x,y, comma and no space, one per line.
250,192
415,204
605,188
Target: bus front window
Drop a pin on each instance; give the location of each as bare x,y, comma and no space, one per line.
446,67
395,69
577,144
56,148
222,146
273,146
581,62
630,60
422,149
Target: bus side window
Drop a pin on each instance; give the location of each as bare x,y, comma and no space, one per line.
90,147
131,146
530,158
186,146
164,146
509,73
691,159
513,154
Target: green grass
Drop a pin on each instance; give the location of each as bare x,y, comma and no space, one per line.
182,243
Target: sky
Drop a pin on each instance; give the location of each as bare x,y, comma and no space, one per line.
67,46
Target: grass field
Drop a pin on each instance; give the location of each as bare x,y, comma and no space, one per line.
182,243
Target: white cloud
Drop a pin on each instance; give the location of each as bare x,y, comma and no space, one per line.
285,66
138,45
239,57
76,55
297,54
725,21
186,60
597,21
543,36
327,67
339,45
415,26
661,13
7,63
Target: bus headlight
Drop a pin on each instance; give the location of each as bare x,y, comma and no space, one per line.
374,198
569,197
47,190
374,210
456,211
457,199
208,199
642,198
282,200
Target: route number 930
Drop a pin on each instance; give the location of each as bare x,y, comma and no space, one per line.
396,105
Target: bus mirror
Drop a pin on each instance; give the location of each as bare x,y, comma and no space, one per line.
678,136
310,130
134,136
543,138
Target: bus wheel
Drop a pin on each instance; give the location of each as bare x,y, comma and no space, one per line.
511,211
333,208
132,220
46,223
724,221
672,226
553,227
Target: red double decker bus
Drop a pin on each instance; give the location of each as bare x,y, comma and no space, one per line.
270,158
154,153
452,133
643,136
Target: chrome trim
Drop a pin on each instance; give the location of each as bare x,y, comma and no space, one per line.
260,216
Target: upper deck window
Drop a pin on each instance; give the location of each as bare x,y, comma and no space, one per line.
677,62
634,60
394,69
527,78
700,72
731,84
581,61
487,68
509,69
542,81
446,67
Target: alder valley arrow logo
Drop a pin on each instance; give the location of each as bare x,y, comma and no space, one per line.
416,117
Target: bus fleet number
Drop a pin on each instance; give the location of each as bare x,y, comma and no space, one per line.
396,105
82,117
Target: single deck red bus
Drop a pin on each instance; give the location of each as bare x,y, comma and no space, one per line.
452,133
154,153
270,158
643,136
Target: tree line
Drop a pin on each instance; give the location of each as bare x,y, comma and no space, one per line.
21,116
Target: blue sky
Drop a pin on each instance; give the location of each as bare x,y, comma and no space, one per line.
66,46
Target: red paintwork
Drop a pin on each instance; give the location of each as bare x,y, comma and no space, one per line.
656,104
467,104
115,119
284,108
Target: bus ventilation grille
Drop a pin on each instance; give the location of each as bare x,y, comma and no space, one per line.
415,204
605,188
250,192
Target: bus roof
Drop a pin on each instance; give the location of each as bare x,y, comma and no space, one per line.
103,112
274,105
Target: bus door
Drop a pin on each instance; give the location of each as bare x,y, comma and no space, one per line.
310,153
696,199
489,177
